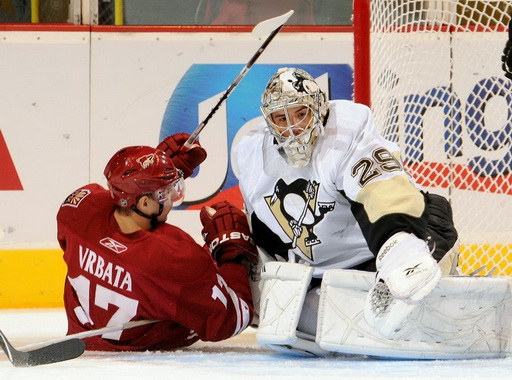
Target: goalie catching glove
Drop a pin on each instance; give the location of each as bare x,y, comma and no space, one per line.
506,58
227,234
186,160
406,274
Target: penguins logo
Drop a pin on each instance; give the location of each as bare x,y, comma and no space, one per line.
295,208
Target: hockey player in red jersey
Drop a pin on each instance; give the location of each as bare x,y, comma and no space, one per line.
126,264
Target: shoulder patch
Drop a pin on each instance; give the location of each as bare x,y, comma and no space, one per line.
76,197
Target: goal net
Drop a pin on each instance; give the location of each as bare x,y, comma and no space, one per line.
431,72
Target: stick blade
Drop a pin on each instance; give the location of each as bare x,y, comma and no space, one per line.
265,27
58,352
53,353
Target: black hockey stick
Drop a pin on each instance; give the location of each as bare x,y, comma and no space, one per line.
273,25
60,349
89,333
53,353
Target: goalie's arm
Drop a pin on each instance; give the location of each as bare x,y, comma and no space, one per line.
387,207
393,215
395,229
382,197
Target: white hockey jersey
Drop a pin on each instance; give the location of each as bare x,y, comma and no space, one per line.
342,206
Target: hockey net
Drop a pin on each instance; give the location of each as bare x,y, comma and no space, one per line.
431,71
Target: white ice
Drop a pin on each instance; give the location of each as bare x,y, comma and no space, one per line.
236,358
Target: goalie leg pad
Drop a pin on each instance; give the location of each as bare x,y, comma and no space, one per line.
463,318
256,284
283,290
284,287
302,346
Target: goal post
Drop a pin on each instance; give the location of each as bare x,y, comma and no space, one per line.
431,72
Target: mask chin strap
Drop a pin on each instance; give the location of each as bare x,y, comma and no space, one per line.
152,217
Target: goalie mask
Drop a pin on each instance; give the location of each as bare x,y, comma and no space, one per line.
295,110
141,170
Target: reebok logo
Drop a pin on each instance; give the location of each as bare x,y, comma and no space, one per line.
386,249
414,270
113,245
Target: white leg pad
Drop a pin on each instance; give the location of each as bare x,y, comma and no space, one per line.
284,287
255,284
283,290
463,318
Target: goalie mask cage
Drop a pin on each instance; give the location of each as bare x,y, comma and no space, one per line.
431,72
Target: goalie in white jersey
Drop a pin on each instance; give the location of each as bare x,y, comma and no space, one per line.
323,188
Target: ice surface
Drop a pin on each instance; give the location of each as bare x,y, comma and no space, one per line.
236,358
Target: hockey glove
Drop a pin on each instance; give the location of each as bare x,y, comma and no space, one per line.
187,160
227,234
406,274
506,58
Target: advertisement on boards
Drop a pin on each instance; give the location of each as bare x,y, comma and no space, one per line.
199,90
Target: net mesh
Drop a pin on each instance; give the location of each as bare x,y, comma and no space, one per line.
437,89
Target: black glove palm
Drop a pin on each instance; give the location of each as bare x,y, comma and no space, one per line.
506,58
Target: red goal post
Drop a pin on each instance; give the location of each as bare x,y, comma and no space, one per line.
431,71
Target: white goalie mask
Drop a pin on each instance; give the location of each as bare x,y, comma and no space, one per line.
294,108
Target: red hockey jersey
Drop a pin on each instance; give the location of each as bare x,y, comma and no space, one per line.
161,275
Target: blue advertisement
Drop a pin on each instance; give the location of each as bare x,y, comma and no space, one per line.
210,81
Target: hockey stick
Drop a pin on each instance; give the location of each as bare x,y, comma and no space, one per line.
272,25
90,333
302,216
53,353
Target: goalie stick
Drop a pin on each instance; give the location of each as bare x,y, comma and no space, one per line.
272,25
53,353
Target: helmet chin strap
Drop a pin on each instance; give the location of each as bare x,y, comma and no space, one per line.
153,217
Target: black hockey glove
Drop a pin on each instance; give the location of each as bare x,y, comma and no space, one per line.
506,58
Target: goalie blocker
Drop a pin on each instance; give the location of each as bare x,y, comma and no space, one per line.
463,318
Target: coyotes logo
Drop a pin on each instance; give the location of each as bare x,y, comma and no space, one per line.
297,211
146,160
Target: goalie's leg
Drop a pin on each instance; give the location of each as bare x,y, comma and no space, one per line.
283,293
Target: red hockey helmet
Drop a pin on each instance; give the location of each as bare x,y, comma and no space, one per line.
138,170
